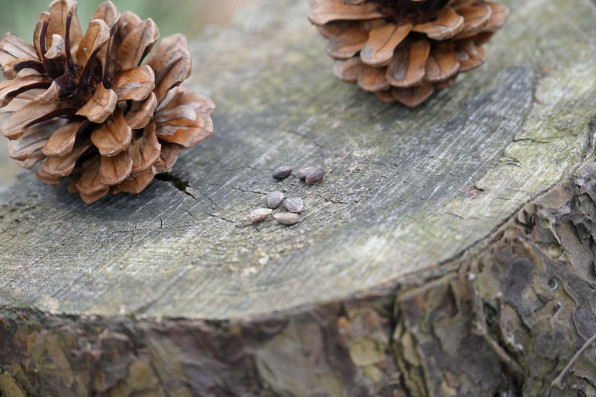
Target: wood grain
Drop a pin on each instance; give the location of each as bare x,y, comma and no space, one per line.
447,174
406,194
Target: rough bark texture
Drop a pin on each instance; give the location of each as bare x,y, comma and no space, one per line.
449,252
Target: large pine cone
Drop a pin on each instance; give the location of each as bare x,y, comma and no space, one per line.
403,49
82,105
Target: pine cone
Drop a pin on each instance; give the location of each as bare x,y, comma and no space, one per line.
84,106
403,49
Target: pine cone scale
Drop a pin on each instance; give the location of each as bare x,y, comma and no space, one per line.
146,151
348,44
31,114
199,102
96,37
62,141
323,12
13,48
89,183
43,177
185,124
382,42
348,70
33,140
408,68
172,63
134,84
137,182
108,13
141,113
372,79
167,157
441,64
13,68
413,96
61,166
10,89
136,45
54,59
476,18
171,74
499,16
447,25
92,198
87,107
421,44
470,56
115,169
100,106
113,136
62,20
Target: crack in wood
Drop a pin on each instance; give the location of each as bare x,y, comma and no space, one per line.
178,183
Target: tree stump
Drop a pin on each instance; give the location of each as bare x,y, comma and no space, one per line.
449,251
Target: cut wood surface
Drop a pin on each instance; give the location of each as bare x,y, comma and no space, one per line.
415,205
405,190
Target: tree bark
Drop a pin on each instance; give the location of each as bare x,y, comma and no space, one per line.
449,251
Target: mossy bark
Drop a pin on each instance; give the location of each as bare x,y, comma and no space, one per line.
449,251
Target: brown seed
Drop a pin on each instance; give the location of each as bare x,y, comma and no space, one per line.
287,218
294,204
258,215
282,173
315,177
303,173
274,199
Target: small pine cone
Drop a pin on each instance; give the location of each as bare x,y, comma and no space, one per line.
403,50
85,105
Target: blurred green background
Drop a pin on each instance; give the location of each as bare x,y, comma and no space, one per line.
174,16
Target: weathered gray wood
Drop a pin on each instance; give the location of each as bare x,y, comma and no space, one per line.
447,174
407,193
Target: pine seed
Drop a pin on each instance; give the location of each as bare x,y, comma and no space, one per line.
282,173
315,177
303,173
274,199
294,204
258,215
287,218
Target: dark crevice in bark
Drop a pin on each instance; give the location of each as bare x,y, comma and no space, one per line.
529,235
